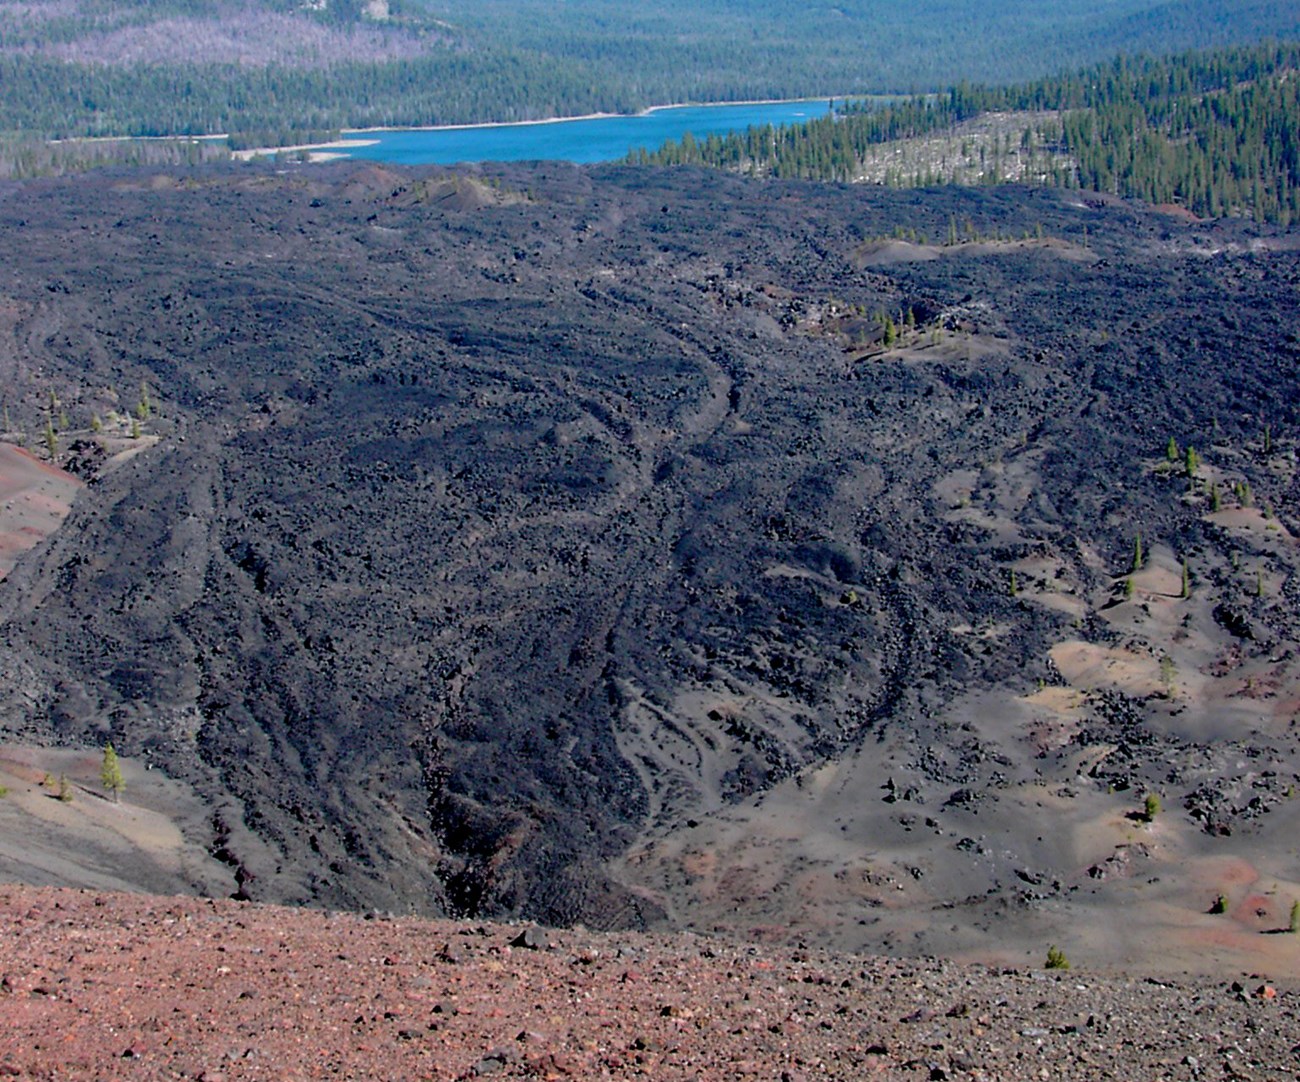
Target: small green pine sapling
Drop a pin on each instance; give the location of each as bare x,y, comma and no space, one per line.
1187,580
110,773
96,425
1056,959
1013,587
1128,587
1137,552
1171,450
1167,673
1295,918
65,790
1151,807
1192,461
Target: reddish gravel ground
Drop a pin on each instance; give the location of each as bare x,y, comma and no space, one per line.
101,986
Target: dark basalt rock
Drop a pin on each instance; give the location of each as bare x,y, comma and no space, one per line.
469,524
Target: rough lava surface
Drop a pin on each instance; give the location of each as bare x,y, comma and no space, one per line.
665,549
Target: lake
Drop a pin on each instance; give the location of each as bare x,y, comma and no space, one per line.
585,139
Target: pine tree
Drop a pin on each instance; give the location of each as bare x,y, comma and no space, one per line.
110,773
1187,580
1168,670
1171,450
1137,552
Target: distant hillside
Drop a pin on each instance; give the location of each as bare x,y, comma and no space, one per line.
242,33
278,69
1215,133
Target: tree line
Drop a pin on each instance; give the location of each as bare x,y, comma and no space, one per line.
508,60
1216,132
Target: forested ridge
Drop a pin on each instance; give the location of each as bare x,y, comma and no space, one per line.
1215,132
277,70
282,101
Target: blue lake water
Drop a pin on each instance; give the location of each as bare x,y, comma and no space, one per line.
598,139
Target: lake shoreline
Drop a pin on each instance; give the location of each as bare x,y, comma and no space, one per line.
319,152
595,116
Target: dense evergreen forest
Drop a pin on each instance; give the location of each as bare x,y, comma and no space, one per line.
275,69
1216,132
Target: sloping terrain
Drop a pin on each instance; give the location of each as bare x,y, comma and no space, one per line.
36,498
238,34
101,986
585,549
58,825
